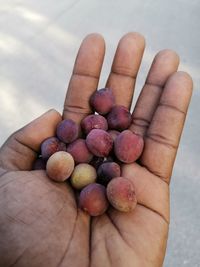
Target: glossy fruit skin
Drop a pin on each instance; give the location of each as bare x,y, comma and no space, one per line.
82,175
67,131
121,194
128,146
60,166
79,151
94,121
93,199
99,142
119,118
51,145
102,101
108,171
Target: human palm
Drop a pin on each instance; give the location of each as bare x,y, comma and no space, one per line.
40,222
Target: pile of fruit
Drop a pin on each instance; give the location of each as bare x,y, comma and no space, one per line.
93,162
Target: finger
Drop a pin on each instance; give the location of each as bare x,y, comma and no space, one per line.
22,147
163,135
85,78
165,64
150,191
125,67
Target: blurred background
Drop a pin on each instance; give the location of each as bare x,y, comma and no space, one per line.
38,45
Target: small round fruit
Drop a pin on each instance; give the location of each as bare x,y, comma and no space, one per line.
82,175
67,131
102,101
60,166
51,145
99,142
119,118
79,151
93,199
108,171
39,164
128,146
94,121
121,194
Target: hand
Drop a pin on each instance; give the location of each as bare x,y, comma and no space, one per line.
40,223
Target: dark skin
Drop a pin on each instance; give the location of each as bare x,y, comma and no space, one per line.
40,222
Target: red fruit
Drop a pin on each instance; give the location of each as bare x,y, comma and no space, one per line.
102,101
51,145
119,118
99,142
79,151
128,146
93,199
94,122
121,194
67,131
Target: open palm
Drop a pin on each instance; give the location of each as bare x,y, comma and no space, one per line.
40,223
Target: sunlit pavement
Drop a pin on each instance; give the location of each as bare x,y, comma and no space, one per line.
38,45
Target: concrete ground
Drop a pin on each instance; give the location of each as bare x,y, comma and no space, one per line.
38,45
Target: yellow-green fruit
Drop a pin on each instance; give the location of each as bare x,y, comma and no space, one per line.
83,175
60,166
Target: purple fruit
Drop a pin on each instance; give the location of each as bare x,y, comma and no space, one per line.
94,122
128,146
79,151
99,142
67,131
102,101
39,164
51,145
119,118
108,171
121,194
96,162
93,199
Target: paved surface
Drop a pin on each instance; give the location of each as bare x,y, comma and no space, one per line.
38,44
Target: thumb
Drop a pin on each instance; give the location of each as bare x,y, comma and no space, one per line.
22,147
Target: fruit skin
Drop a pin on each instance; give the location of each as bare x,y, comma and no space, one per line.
113,134
102,101
51,145
60,166
39,164
119,118
82,175
67,131
99,142
96,162
108,171
79,151
128,146
94,121
93,199
121,194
